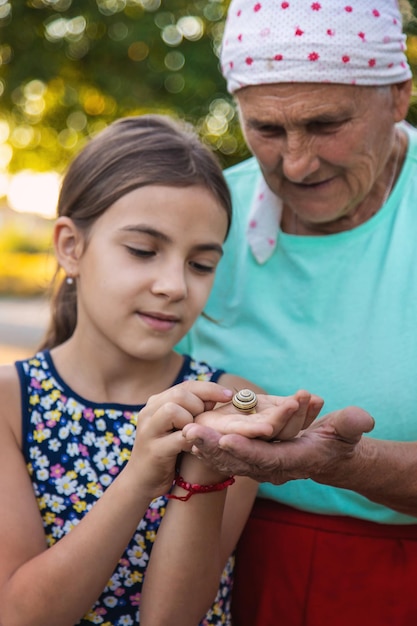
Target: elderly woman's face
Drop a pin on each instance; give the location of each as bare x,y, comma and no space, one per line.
322,148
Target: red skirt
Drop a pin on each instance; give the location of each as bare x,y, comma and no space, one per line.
301,569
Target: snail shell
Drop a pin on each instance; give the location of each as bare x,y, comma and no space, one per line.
245,400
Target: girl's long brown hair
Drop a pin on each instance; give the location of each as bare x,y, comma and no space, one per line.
132,152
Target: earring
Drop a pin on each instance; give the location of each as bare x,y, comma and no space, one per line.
69,280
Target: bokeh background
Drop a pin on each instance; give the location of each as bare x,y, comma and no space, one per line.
67,69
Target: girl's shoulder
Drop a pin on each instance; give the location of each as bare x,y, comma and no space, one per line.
10,402
9,380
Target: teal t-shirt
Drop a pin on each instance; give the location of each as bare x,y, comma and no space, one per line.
334,314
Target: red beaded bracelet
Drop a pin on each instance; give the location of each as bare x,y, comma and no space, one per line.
193,488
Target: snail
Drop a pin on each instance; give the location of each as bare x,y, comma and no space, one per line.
245,400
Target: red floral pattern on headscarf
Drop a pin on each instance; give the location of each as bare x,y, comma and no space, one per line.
360,42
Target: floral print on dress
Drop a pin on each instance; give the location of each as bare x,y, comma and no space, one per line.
74,449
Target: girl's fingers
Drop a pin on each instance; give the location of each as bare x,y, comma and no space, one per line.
157,461
159,438
297,419
174,408
169,447
271,416
276,417
252,429
166,419
314,408
309,406
195,396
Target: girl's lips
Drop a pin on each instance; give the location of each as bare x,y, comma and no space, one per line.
158,322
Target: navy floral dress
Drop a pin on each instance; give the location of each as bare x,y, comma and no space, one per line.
74,449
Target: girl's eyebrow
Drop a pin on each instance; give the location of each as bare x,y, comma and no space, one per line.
147,230
152,232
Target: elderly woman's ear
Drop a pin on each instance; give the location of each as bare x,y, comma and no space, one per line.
401,94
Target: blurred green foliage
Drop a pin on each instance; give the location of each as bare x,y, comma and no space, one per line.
69,67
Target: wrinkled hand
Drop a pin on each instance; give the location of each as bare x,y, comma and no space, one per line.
318,452
276,417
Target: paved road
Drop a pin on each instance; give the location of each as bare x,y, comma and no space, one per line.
22,325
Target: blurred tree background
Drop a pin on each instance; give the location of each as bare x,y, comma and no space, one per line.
70,67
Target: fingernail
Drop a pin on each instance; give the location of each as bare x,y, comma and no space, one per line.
195,452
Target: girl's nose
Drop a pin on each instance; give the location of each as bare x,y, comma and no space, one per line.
171,282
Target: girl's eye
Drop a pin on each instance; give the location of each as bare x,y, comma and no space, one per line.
140,252
202,268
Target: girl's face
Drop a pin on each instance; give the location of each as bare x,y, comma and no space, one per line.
148,268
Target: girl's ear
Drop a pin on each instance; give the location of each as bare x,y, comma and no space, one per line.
68,244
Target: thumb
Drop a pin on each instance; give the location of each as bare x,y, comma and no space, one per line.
352,422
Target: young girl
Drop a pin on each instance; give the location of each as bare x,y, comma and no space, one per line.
90,427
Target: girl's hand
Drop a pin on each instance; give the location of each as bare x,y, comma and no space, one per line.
276,417
159,427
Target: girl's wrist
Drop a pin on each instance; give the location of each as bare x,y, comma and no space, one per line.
192,489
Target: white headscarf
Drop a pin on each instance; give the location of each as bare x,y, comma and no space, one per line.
354,42
351,42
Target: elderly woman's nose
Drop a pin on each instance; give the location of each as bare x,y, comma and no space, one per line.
299,159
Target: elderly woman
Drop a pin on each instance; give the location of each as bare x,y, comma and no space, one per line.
318,289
